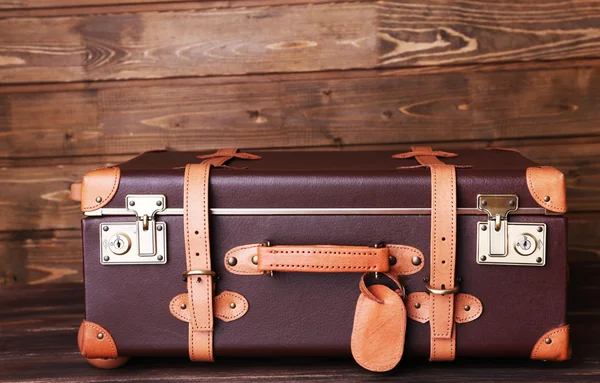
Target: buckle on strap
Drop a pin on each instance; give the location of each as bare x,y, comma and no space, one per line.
431,290
190,273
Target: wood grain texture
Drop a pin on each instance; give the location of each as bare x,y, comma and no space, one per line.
360,107
39,344
292,38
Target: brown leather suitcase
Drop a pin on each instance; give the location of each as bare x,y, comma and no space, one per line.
370,254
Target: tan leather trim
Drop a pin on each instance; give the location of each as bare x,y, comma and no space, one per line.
75,192
417,307
379,329
95,342
200,288
553,345
243,260
404,259
108,364
239,260
547,186
99,187
323,259
223,309
425,155
443,259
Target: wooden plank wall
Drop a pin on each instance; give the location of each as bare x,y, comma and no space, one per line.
85,83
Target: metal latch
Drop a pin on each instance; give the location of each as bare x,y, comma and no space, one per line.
494,236
145,207
497,206
143,241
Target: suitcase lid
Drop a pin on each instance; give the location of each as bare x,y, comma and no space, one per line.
329,180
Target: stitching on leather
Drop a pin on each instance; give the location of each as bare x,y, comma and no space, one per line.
108,337
548,335
537,197
175,311
322,266
238,298
104,201
416,251
321,252
235,270
473,301
205,240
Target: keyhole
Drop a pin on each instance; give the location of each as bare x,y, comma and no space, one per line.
119,243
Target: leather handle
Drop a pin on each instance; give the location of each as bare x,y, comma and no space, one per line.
323,259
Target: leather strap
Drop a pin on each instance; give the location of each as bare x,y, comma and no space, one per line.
425,155
197,246
442,249
323,259
443,261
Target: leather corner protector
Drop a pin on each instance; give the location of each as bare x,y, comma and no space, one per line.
99,187
467,307
95,342
553,345
404,259
548,188
239,260
75,192
228,306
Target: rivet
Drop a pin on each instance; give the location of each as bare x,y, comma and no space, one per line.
131,203
426,279
548,340
484,203
183,306
416,260
106,258
105,228
467,308
100,335
98,199
547,198
159,228
158,203
483,227
255,259
538,259
232,305
417,305
540,229
232,261
483,258
392,260
160,257
511,202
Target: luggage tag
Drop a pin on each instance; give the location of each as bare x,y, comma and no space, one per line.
379,326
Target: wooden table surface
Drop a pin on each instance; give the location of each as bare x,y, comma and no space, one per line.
38,344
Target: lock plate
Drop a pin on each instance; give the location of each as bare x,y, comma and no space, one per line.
119,244
526,244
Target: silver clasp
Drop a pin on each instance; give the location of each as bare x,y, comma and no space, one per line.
497,207
145,207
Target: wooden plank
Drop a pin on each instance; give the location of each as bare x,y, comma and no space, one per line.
40,324
28,4
35,257
295,38
349,108
190,43
37,197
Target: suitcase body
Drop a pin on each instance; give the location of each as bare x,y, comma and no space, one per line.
509,253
